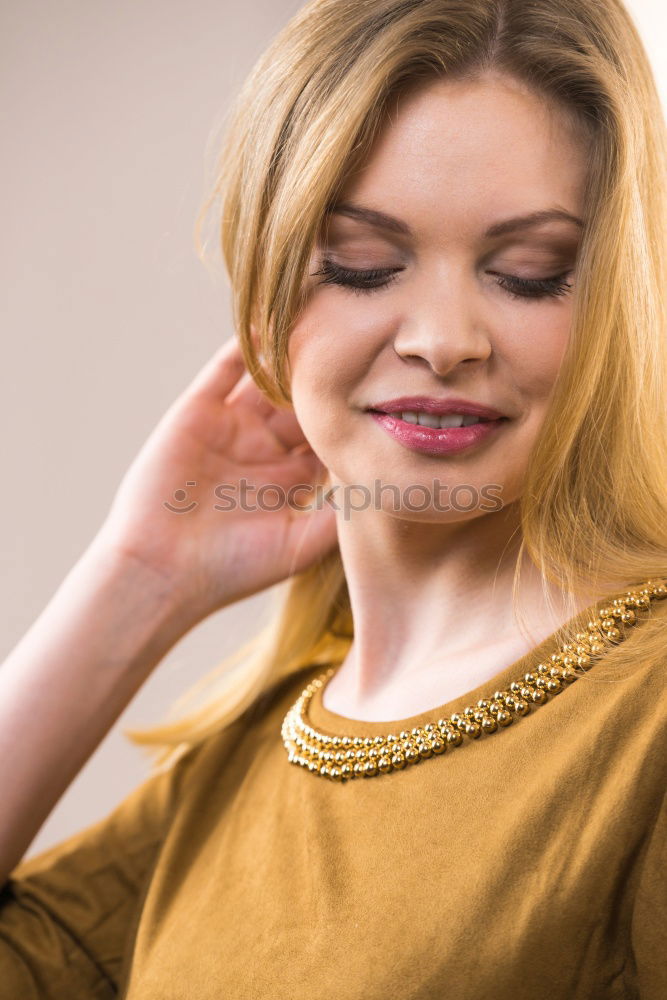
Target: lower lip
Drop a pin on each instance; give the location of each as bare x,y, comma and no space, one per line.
436,440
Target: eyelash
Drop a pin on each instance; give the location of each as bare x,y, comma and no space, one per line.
374,280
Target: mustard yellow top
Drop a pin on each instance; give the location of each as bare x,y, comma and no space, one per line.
528,864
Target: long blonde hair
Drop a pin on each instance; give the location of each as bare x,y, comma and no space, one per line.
594,506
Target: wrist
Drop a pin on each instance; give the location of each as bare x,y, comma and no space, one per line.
140,609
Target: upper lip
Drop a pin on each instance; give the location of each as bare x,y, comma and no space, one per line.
429,404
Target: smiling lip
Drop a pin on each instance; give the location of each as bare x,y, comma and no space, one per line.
436,440
440,407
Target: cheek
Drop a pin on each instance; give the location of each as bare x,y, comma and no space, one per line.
314,369
332,348
535,352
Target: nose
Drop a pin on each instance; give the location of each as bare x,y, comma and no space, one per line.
442,326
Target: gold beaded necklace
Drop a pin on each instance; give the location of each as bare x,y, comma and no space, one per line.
343,757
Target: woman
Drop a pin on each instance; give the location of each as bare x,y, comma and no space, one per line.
431,212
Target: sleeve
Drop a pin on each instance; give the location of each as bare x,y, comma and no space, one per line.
67,914
649,917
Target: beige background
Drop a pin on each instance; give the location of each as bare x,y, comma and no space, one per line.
107,109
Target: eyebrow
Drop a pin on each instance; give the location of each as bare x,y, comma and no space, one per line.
380,220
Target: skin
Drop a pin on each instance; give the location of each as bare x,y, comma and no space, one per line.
431,590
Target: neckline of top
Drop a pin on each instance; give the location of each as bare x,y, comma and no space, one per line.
333,723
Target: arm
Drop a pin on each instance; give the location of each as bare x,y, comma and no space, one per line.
147,578
64,685
68,916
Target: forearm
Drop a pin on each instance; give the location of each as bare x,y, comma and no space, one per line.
70,677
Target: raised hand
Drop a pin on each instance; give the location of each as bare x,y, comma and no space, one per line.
220,431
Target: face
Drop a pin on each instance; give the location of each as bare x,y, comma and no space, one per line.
438,300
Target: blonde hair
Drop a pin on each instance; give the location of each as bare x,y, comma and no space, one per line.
594,509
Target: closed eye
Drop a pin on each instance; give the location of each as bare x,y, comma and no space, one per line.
365,281
533,288
358,281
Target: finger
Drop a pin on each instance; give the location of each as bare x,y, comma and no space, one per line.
247,393
287,429
221,372
281,421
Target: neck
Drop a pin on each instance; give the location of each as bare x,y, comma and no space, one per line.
432,609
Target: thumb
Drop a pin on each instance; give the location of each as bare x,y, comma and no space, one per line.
311,535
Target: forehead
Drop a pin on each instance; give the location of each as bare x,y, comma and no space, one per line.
472,150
